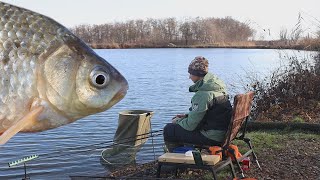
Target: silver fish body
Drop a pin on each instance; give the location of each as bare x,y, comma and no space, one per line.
43,64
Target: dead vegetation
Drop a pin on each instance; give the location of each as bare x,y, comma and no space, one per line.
291,93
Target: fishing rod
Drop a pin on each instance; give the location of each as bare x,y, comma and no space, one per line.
81,149
77,150
106,142
92,147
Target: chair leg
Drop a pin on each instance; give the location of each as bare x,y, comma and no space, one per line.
214,174
176,172
232,170
248,141
159,170
237,162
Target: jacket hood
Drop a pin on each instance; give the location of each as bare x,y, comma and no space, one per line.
209,82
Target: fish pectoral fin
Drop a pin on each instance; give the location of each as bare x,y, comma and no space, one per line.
18,126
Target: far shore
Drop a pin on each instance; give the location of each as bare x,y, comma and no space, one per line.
140,46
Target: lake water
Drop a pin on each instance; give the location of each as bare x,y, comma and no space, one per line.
158,81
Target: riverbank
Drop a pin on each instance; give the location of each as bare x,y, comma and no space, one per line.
282,155
240,45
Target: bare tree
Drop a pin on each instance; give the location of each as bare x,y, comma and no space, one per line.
171,25
163,31
283,34
185,29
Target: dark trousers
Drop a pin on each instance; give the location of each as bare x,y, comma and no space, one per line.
175,136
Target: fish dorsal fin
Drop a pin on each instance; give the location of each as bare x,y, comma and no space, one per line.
19,125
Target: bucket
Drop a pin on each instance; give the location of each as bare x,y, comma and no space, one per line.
131,134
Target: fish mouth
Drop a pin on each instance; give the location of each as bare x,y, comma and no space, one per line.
120,94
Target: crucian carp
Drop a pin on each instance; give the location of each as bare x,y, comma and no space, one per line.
48,76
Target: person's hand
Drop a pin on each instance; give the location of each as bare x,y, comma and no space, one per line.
174,120
180,115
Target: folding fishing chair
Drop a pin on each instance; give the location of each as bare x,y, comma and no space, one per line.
240,114
241,111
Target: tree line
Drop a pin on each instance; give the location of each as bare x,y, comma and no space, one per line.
164,32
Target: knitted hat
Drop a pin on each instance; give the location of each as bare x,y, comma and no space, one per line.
198,66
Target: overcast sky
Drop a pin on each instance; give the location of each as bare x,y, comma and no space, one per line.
266,14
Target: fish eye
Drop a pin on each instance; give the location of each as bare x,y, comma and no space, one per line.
99,78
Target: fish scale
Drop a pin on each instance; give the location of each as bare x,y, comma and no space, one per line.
27,29
42,64
22,34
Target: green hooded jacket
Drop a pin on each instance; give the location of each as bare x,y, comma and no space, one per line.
205,90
